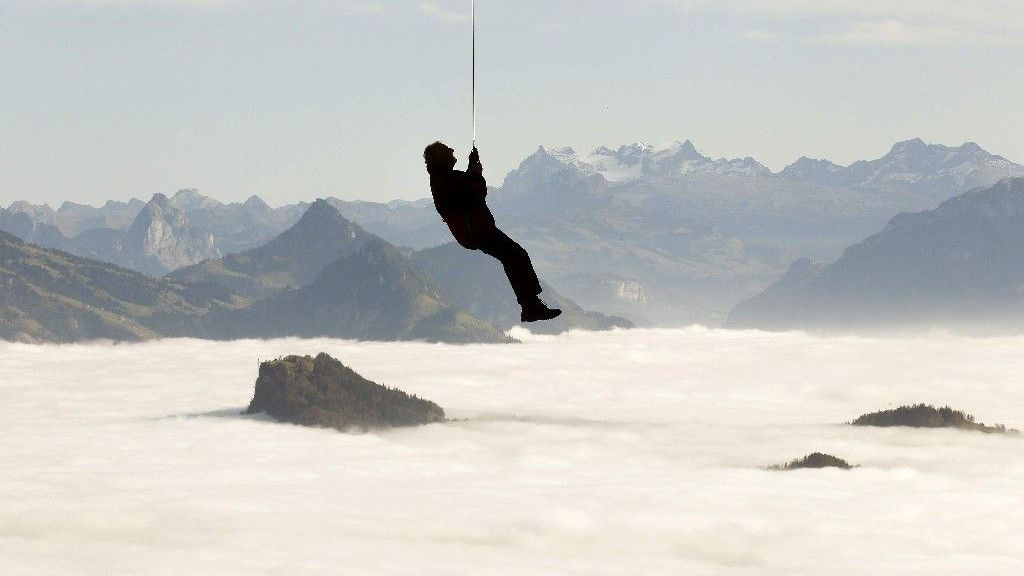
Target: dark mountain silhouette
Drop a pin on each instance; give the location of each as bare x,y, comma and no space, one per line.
51,296
814,460
374,293
960,265
324,392
476,282
926,416
291,260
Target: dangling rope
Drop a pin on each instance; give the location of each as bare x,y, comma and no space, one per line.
473,10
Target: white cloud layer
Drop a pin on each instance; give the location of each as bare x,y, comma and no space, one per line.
633,452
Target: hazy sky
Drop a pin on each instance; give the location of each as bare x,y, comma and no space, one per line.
292,100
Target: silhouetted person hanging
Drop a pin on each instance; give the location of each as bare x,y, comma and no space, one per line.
459,198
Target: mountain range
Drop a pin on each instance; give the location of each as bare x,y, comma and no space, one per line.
317,277
912,164
159,239
52,296
291,260
323,276
662,235
960,265
666,235
372,293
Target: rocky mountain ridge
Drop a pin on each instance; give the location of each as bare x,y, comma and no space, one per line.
660,234
159,239
366,289
908,163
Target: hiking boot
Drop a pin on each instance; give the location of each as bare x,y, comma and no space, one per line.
538,310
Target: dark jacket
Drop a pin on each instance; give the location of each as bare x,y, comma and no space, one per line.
459,198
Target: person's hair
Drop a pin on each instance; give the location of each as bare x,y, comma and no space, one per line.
435,155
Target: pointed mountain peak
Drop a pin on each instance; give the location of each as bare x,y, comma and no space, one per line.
915,145
546,155
160,200
321,224
677,150
538,167
191,199
811,168
322,208
542,164
159,208
301,252
256,202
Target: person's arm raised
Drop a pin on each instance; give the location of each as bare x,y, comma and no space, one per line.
475,167
476,172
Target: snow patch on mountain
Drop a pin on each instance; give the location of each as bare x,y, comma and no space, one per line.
642,162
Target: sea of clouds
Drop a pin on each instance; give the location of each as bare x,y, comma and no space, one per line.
630,452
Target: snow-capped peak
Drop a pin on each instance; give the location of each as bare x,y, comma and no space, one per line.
639,162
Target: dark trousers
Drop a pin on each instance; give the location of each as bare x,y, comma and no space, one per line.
517,265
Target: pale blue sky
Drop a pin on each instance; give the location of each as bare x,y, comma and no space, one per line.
291,100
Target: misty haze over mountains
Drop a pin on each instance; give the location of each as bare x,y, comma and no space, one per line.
322,277
661,235
694,234
961,264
